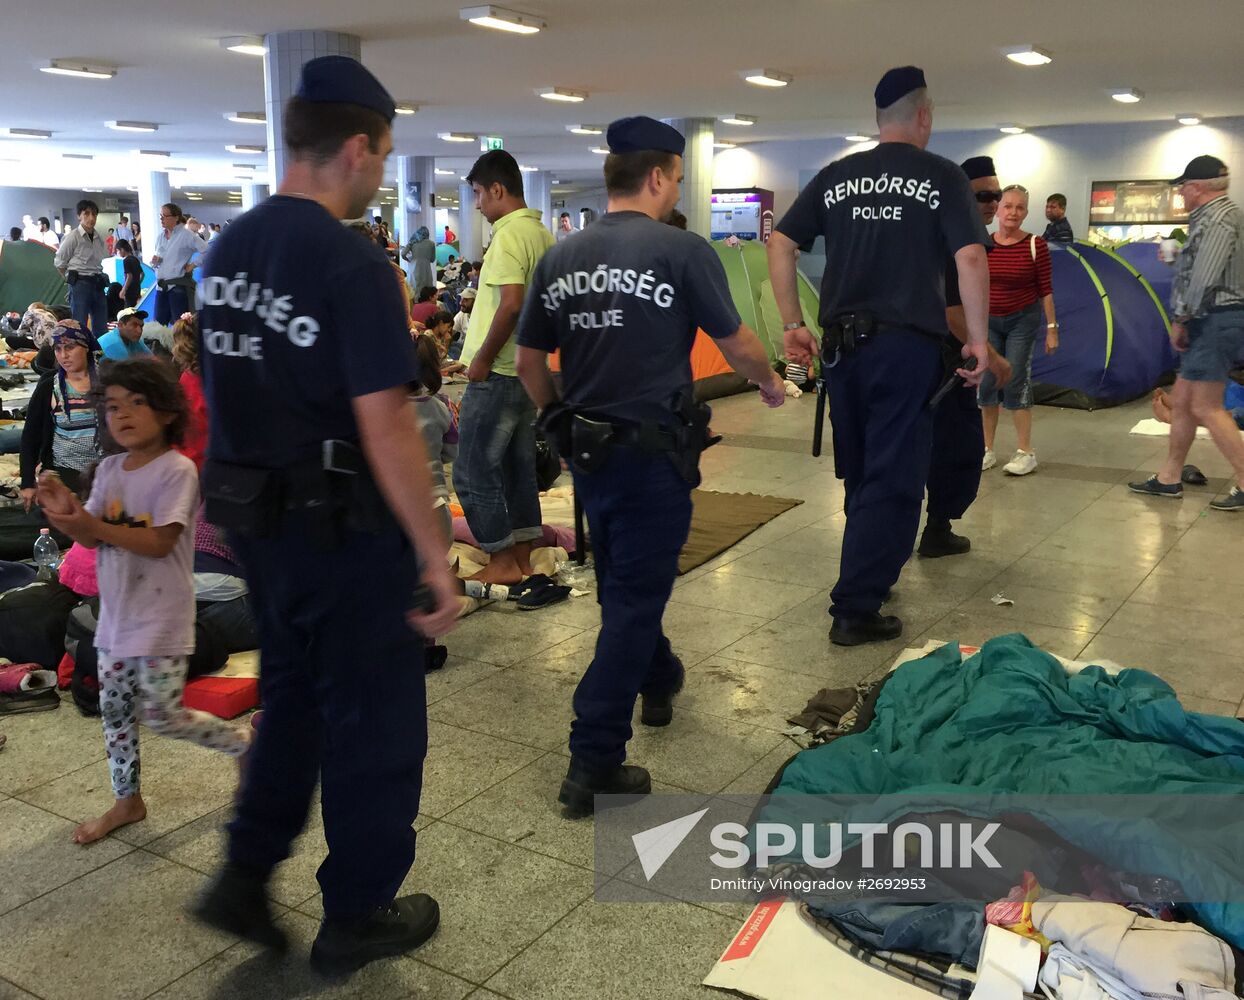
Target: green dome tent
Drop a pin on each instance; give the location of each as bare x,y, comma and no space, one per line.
28,274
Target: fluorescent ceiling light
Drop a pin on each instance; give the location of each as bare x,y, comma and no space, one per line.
600,150
248,150
737,120
502,19
386,189
585,129
458,137
1187,118
1028,55
526,169
247,117
406,108
71,67
29,133
152,153
1011,129
766,77
561,94
858,137
243,177
440,172
244,166
250,45
92,190
131,189
77,156
725,145
133,126
1129,96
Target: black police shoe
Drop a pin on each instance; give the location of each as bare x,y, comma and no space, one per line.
585,780
869,628
658,709
938,540
344,946
235,903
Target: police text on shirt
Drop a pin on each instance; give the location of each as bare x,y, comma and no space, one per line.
605,280
909,187
251,296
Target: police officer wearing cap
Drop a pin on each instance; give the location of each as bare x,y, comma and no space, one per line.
889,215
958,432
317,472
622,300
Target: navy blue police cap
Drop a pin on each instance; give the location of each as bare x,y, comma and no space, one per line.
641,133
897,84
977,167
342,80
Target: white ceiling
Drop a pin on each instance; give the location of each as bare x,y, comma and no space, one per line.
668,58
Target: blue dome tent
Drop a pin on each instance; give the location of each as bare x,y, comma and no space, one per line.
1114,345
1144,258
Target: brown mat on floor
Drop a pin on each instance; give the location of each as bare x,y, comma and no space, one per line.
719,520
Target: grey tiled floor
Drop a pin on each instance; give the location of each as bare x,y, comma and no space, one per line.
1094,572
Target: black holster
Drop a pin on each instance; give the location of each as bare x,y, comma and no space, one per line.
691,435
584,443
846,333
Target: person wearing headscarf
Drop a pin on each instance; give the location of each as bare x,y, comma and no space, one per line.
62,427
420,253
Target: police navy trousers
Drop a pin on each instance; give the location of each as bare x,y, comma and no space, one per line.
958,449
638,513
342,685
883,432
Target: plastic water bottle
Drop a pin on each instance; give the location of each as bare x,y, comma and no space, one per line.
47,555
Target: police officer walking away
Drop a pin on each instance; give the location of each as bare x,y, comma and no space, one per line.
889,216
317,471
958,431
622,300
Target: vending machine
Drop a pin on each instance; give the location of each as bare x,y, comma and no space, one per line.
743,212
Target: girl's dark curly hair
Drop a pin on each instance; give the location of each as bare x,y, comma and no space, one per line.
154,380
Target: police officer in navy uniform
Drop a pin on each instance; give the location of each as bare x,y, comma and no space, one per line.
622,300
889,215
317,471
958,433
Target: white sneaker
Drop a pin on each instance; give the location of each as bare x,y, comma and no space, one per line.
989,461
1023,463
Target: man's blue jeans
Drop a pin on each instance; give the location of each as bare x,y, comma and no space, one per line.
495,472
87,302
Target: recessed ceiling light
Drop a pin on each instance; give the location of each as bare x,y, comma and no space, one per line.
737,120
386,189
29,133
441,172
117,126
458,137
247,117
725,145
244,166
160,154
601,150
561,94
1011,129
858,137
766,77
502,19
1028,55
244,177
248,150
92,190
1128,96
526,169
71,67
77,156
250,45
406,108
1187,118
585,129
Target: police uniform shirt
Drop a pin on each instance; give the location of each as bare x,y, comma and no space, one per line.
622,301
889,216
299,315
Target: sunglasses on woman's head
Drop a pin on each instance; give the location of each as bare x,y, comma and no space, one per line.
984,197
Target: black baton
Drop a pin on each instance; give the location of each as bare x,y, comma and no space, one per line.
818,429
950,383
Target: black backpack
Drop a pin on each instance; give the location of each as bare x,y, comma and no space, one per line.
32,622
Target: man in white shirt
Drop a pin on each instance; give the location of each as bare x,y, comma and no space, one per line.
466,302
46,236
564,227
174,248
214,232
124,232
80,259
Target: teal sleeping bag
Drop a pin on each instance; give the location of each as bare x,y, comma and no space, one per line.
1011,720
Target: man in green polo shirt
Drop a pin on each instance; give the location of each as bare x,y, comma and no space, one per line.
495,472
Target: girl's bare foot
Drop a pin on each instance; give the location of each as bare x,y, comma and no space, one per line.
122,813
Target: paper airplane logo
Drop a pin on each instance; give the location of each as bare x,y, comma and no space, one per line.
655,846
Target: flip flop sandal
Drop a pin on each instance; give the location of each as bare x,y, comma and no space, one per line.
1193,476
542,597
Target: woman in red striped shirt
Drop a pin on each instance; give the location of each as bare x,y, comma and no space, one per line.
1020,291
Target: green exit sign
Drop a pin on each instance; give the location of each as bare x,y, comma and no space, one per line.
490,142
